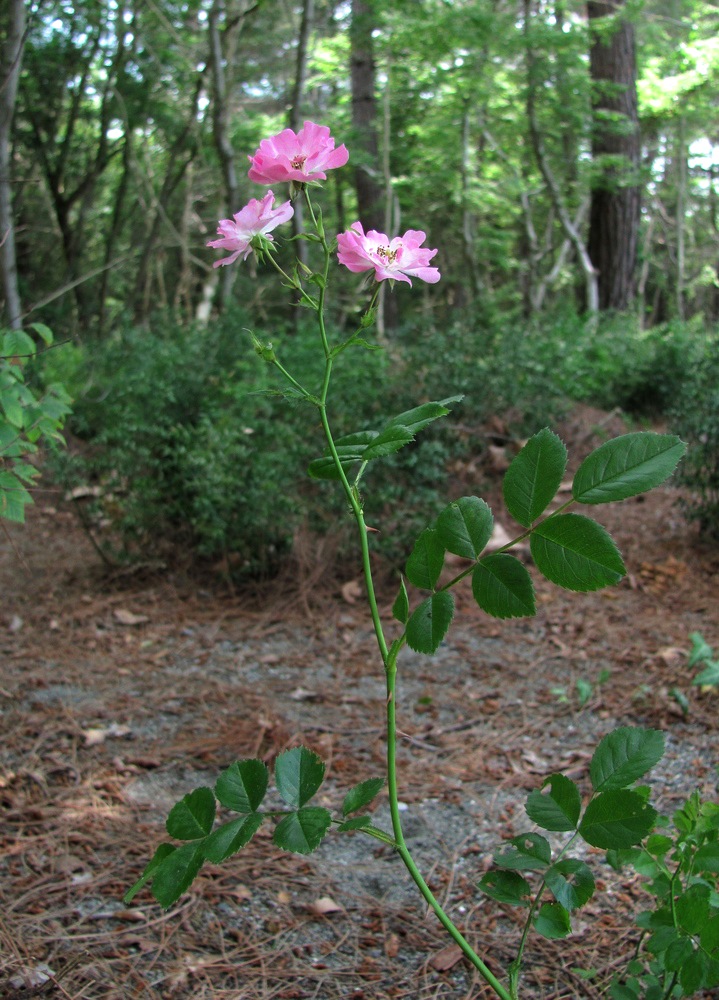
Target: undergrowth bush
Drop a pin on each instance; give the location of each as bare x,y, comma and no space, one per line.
183,440
695,415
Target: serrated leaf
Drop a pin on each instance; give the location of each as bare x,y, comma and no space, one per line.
571,883
693,972
163,851
620,991
428,624
426,560
421,416
16,343
709,675
388,441
356,823
618,818
361,795
534,477
44,332
502,587
528,852
707,858
299,773
677,953
242,786
176,873
350,450
192,816
692,908
557,808
552,921
506,887
626,466
231,837
701,650
576,553
624,755
465,526
302,832
400,608
709,936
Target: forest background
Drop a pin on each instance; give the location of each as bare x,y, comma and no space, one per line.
562,157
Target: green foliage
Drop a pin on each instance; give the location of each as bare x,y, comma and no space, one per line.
702,655
615,816
695,415
29,417
569,549
680,947
188,443
242,788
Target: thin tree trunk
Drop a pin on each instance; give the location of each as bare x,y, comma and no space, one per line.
295,115
681,209
573,234
364,115
10,59
615,211
222,56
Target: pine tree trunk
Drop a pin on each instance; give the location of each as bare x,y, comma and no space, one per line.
615,208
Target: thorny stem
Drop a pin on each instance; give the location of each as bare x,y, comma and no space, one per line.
388,654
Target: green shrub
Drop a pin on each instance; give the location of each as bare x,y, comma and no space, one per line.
695,417
181,432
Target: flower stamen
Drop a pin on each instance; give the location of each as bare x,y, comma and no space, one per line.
388,255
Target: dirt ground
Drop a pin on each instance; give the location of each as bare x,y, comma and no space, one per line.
119,692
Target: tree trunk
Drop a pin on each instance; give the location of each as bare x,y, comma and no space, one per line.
558,203
364,116
222,54
615,209
295,118
10,59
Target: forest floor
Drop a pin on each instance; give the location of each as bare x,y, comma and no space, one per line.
121,692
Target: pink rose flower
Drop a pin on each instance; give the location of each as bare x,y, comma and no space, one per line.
257,218
300,158
398,259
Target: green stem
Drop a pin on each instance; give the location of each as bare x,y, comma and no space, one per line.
389,656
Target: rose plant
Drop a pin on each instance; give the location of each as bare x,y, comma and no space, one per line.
568,548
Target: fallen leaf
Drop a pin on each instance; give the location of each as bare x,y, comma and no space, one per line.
351,591
671,654
324,905
30,979
302,694
93,737
446,958
125,617
391,946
